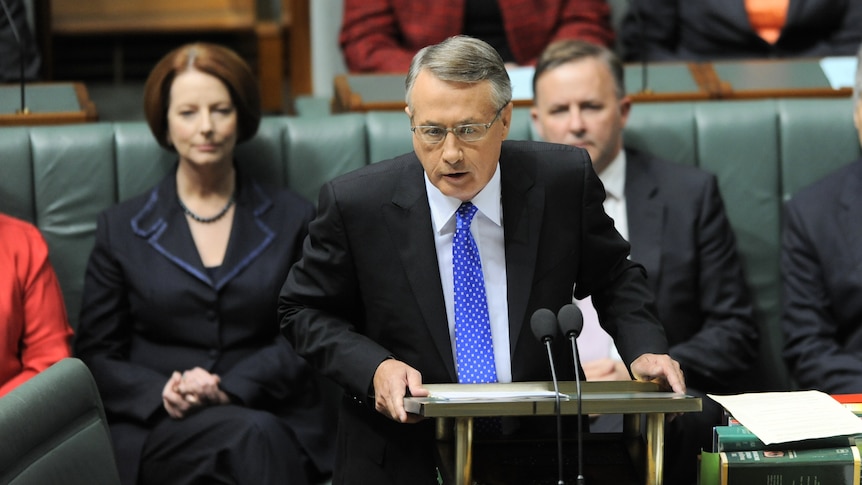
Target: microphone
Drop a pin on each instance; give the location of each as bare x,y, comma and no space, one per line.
11,21
571,323
544,325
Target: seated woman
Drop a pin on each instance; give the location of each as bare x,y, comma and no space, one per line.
34,328
178,322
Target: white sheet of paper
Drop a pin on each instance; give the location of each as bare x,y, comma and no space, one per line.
474,395
779,417
839,70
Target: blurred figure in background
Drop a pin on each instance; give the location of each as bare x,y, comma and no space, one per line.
663,30
384,35
34,329
674,218
17,44
821,259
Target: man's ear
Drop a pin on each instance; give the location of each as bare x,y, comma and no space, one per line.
506,119
625,109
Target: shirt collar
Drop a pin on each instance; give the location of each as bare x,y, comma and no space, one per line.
614,176
443,207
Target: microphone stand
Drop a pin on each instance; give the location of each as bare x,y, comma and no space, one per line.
580,480
23,109
559,415
571,323
544,325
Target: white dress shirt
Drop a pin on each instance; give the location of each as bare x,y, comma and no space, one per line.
594,343
487,230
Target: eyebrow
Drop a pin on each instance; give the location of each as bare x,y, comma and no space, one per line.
465,121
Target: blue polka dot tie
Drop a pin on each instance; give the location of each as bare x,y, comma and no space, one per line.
473,345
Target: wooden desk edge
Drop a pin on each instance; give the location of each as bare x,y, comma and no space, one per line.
86,113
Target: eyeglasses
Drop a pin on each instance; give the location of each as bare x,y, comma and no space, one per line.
469,132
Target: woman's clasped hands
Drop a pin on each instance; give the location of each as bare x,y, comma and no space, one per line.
192,390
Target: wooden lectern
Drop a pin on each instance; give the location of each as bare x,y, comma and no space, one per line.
630,398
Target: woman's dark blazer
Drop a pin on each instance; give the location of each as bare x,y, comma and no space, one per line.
151,308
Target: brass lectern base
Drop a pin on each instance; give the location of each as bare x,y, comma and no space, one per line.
606,460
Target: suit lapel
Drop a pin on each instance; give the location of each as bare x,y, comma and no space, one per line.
162,223
645,214
408,218
523,210
250,234
795,9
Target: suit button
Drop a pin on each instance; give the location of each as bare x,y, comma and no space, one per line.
211,315
213,353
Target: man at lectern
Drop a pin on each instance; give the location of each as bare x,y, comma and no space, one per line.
426,268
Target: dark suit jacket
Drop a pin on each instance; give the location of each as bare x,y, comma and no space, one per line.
822,280
680,233
368,287
150,308
384,35
720,29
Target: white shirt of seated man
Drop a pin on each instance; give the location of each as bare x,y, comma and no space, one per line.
598,354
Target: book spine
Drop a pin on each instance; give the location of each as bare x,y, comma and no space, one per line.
756,468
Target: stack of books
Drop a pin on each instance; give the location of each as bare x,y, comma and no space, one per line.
740,457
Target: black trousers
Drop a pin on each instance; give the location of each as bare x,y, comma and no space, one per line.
223,445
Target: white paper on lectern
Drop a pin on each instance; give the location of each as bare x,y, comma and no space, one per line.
779,417
505,395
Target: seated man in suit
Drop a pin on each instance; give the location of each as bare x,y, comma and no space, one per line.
821,253
673,217
682,30
426,268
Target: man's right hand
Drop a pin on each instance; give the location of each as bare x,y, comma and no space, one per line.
392,380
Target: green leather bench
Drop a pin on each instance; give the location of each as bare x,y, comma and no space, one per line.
61,177
54,430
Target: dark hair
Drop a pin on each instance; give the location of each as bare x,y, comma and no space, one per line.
212,59
462,59
566,51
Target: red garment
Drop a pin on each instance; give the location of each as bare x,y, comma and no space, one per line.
383,35
767,17
34,328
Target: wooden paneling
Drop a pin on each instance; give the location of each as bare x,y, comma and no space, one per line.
135,17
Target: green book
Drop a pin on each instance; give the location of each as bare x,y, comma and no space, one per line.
826,466
740,438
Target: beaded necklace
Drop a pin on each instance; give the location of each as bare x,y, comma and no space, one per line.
207,220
